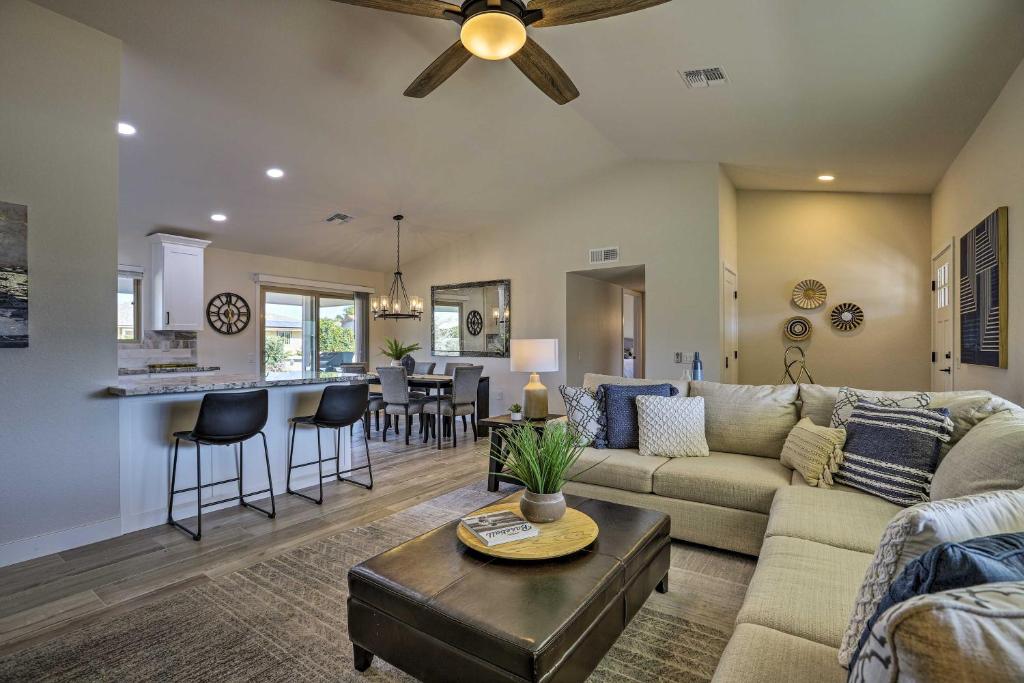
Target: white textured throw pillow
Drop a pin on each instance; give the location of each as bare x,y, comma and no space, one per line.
966,634
918,529
671,426
848,398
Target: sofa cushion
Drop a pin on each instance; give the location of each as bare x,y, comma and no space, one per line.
804,588
583,413
756,653
731,480
671,426
989,458
893,452
753,420
816,403
618,469
844,519
967,409
619,418
968,634
916,530
814,451
593,380
848,399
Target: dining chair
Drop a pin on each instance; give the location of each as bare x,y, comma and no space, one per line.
461,402
424,368
398,400
449,368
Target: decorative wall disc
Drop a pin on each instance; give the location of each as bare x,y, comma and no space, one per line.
847,316
797,328
474,323
809,294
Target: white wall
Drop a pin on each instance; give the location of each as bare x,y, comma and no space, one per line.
59,83
728,250
869,249
989,173
232,271
594,329
662,215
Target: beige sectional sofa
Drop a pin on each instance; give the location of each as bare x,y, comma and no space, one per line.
813,544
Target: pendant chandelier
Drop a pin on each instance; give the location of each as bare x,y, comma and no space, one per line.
397,304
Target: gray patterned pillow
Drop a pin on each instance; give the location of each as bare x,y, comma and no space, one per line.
966,634
848,398
583,412
671,426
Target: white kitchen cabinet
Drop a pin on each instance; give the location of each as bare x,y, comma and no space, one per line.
176,283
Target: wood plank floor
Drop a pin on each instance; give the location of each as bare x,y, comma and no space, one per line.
66,591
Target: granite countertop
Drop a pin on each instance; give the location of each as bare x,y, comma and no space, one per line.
150,386
128,372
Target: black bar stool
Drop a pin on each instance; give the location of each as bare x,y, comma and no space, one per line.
341,405
224,420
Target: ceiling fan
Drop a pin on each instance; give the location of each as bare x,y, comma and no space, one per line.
496,29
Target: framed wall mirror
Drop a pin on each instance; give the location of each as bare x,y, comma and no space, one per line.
471,319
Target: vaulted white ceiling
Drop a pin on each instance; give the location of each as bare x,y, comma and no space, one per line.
883,94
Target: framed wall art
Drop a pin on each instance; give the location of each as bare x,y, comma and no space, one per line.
984,261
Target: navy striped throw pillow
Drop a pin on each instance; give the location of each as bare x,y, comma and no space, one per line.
893,452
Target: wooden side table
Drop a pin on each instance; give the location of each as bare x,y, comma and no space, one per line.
497,425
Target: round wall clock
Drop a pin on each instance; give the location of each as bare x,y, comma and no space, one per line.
797,328
809,294
475,323
228,313
846,317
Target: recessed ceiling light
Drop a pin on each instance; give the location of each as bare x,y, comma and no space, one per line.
826,178
275,173
126,129
218,217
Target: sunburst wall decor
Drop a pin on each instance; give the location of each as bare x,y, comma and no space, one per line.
809,294
847,316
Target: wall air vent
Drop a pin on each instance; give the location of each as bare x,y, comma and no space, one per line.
704,78
339,218
604,255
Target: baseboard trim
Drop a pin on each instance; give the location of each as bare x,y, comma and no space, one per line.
30,548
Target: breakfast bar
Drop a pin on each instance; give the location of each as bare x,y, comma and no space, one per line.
152,408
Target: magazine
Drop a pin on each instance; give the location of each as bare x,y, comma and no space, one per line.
495,528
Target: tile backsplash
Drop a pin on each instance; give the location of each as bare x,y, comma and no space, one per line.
158,347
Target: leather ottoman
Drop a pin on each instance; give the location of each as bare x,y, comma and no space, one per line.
442,612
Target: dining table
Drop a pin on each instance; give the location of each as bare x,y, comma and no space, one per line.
441,382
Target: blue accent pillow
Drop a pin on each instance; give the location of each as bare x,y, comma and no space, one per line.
990,559
620,427
892,453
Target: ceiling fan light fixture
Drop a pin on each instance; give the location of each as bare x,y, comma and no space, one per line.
493,35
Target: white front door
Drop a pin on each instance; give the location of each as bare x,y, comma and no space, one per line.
731,327
942,320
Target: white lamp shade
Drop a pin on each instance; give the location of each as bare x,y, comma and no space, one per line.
534,355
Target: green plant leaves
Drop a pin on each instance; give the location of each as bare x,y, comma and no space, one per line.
539,461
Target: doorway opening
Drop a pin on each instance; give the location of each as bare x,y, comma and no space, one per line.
604,322
943,366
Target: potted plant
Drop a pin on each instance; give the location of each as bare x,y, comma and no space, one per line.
396,350
517,412
539,462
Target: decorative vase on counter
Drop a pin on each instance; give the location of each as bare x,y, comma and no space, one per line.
698,367
542,508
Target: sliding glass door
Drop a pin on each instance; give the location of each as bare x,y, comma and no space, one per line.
305,331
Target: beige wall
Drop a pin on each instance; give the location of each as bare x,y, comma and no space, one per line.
232,271
728,252
871,250
594,327
989,173
59,92
663,215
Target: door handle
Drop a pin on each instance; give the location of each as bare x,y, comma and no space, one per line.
727,362
168,317
946,370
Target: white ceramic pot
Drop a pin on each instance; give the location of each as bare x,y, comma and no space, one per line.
396,364
516,417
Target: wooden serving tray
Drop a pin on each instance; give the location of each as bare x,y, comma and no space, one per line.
570,534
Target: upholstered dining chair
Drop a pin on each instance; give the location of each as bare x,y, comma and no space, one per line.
398,400
424,368
449,368
461,402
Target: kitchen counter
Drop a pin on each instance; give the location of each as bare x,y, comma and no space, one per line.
184,369
150,386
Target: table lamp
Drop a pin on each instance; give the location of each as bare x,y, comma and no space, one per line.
535,356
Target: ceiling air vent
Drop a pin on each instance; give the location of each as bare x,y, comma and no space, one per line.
604,255
339,218
704,78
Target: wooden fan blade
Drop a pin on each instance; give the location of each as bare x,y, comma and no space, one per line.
561,12
421,8
545,73
450,61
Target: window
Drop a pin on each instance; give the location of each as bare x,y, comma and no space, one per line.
447,327
306,331
942,286
129,312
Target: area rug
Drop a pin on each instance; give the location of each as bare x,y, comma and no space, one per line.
284,620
